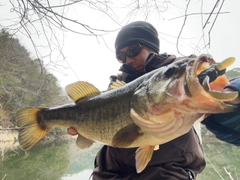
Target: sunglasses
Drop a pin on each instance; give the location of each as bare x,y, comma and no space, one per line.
132,51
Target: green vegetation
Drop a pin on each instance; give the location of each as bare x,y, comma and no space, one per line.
219,155
233,73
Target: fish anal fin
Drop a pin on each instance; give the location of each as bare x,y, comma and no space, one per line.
143,156
81,90
30,132
126,136
83,142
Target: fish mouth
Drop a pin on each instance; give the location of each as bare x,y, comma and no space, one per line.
204,73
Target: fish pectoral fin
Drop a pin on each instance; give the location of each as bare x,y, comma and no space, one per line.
126,136
117,84
143,156
80,91
83,142
30,132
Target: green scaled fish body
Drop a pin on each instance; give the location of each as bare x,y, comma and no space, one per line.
151,110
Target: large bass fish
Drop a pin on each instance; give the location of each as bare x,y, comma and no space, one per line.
151,110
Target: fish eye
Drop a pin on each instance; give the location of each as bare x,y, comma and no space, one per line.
170,71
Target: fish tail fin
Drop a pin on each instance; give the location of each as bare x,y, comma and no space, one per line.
31,132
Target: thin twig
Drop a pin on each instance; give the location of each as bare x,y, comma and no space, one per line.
228,173
4,176
211,14
193,14
209,32
184,22
214,168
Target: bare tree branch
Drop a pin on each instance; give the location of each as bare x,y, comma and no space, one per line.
184,22
209,32
49,19
228,173
196,14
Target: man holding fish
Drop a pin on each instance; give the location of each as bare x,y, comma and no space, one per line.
146,121
137,47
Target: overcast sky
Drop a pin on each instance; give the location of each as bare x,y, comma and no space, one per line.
90,59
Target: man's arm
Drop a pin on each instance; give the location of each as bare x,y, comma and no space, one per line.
226,126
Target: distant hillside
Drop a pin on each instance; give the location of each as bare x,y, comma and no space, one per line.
23,81
233,73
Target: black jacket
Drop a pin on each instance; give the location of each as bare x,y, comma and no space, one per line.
181,158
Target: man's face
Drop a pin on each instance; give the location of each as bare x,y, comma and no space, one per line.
138,61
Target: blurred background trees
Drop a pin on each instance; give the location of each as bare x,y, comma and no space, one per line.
24,81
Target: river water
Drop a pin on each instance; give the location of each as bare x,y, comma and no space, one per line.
54,160
62,160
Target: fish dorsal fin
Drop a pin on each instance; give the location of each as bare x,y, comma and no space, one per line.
117,84
126,136
143,156
81,90
83,142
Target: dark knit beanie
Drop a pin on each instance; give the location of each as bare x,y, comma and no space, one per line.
137,32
